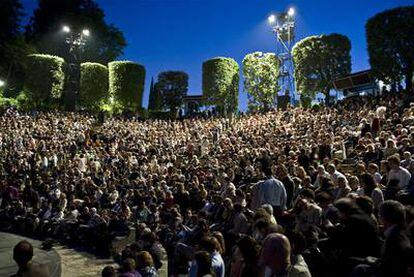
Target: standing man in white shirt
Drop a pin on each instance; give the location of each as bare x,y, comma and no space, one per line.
270,191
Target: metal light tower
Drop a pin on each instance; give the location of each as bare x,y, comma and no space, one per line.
76,42
283,26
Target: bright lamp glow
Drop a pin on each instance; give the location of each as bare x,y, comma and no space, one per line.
86,32
291,12
2,83
271,18
66,29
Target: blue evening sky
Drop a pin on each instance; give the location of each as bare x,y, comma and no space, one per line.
181,34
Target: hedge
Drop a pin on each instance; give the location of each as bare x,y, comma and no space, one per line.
126,84
45,78
94,85
221,83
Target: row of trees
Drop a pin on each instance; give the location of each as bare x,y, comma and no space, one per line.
220,84
43,35
220,87
117,87
318,61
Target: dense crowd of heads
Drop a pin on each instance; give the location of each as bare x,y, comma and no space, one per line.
285,193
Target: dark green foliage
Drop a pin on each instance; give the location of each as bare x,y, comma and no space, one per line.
13,48
390,37
126,84
94,85
172,85
154,101
261,73
221,83
11,12
22,102
159,115
45,79
151,100
306,101
318,61
105,44
13,55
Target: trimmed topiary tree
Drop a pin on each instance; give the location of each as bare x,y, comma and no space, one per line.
155,97
318,61
390,38
261,73
94,86
221,83
126,84
45,79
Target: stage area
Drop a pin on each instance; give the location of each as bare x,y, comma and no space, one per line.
8,267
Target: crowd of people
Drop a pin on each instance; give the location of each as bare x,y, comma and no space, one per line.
300,192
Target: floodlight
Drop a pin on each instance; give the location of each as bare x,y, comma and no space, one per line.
271,18
291,12
86,32
66,29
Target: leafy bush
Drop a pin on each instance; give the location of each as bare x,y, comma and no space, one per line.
126,84
45,79
306,101
221,83
110,106
21,101
94,85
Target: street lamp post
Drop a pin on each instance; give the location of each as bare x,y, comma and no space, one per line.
76,42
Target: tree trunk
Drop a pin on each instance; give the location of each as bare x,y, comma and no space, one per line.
409,81
328,99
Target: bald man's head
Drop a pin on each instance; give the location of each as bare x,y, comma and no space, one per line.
276,252
23,253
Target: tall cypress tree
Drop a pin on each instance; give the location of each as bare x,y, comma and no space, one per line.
152,97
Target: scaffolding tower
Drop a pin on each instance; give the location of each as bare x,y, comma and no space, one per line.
284,30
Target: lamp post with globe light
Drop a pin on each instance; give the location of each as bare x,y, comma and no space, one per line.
283,26
76,42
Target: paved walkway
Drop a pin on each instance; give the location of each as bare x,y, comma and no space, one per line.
7,265
61,261
75,263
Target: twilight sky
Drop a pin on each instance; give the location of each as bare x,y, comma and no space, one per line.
181,34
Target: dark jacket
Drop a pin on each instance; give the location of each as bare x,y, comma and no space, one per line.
358,237
395,245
